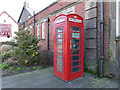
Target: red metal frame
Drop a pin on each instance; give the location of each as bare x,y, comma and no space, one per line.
67,23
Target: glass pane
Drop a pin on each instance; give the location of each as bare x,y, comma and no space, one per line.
60,29
59,40
59,46
59,51
75,57
59,68
75,35
75,63
75,40
76,69
75,52
59,57
76,29
59,35
59,63
43,30
75,46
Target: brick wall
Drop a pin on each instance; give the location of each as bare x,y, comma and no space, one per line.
106,15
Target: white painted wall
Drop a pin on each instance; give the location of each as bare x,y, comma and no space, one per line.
14,26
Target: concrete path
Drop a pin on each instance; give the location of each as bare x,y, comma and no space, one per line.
45,79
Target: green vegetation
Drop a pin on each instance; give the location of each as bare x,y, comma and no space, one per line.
7,55
27,50
28,68
4,65
10,68
39,67
18,69
34,67
24,53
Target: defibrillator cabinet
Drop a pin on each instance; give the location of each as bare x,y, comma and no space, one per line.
68,46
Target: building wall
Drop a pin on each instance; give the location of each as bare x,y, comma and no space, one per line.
90,11
109,63
91,36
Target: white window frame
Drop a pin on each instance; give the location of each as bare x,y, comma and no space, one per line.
38,31
43,30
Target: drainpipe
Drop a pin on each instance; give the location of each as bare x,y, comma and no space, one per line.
102,41
34,22
48,20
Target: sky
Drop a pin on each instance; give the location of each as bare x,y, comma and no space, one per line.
14,7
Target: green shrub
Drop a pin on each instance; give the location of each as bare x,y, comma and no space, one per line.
28,68
18,69
12,43
7,55
10,68
27,43
39,67
34,67
4,65
5,48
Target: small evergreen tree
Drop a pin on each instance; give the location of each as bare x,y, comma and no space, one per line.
27,43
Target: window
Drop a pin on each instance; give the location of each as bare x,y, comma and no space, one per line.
43,30
38,31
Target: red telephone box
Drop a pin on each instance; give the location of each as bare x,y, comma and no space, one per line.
68,46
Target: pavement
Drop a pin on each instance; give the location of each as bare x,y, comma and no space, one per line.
46,79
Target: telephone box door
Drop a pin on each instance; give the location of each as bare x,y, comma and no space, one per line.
76,52
59,42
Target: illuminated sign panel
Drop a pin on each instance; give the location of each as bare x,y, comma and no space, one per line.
75,20
61,20
5,30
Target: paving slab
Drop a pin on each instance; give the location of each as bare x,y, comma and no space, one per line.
46,79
